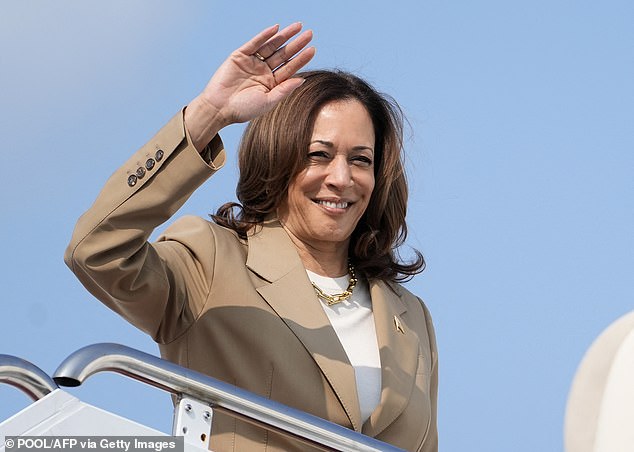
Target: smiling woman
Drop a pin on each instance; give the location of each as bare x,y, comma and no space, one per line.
269,162
293,292
329,196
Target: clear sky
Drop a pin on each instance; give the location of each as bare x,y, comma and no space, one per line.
520,157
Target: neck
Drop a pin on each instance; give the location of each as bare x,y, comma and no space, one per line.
324,264
328,259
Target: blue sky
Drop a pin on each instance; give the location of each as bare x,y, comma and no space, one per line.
520,156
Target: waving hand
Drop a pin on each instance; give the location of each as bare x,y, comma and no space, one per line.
250,82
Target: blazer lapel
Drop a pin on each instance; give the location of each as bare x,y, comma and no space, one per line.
274,258
398,349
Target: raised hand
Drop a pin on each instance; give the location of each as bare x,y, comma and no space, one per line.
250,82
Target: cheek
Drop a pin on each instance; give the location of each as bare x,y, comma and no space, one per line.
368,185
294,190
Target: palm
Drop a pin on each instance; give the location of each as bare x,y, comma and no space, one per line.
241,88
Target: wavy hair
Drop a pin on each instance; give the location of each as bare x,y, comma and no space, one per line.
271,154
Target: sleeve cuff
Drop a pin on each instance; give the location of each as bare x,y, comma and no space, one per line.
213,154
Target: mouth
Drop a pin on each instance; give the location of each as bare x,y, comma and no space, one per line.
339,205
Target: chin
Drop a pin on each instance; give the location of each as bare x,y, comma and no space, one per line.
336,236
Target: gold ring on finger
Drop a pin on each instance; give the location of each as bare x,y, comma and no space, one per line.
259,57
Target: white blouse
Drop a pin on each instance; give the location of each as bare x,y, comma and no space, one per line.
353,322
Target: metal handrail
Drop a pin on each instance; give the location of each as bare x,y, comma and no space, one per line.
25,376
220,395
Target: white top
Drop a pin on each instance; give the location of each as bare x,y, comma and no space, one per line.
353,322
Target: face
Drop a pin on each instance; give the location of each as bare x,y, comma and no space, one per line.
328,197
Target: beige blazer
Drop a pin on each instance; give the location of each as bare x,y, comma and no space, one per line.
244,311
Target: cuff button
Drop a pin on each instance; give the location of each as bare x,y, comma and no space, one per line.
132,180
149,164
159,155
140,172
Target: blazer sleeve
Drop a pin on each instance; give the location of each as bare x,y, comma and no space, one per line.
109,250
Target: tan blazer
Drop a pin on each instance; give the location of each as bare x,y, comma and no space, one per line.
244,311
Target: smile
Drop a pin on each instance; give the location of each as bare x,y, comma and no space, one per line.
333,205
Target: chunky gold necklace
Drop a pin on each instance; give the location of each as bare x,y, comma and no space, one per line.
338,297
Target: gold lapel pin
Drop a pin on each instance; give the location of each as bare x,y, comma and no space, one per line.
398,325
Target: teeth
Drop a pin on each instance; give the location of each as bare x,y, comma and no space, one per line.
334,205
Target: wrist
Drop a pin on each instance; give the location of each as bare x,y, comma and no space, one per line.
202,122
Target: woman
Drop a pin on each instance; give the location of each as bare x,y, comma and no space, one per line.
293,294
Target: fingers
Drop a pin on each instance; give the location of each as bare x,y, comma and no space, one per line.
280,57
278,40
287,52
290,68
270,47
256,42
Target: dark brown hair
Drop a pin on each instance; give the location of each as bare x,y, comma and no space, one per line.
272,153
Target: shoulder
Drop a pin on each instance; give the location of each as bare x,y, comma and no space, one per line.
202,238
409,298
194,226
415,306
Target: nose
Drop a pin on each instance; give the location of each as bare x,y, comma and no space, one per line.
339,173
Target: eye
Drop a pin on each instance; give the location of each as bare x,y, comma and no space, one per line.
362,160
318,155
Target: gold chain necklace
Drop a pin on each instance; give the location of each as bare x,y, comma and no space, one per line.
338,297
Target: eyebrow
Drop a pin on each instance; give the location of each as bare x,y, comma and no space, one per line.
330,144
